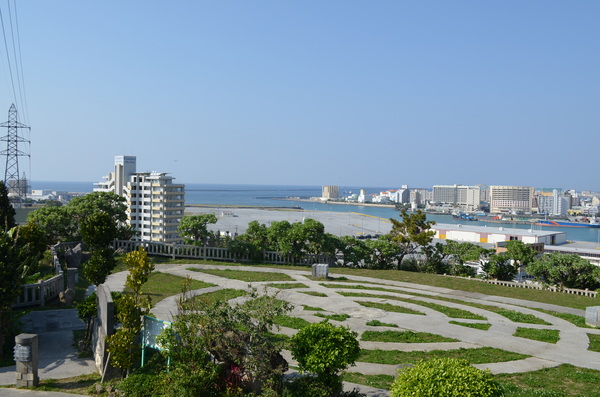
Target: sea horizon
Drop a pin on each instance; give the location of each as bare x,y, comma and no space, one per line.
282,196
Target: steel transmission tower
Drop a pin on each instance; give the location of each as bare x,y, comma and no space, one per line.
14,183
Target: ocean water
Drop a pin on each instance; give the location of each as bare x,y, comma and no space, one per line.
277,196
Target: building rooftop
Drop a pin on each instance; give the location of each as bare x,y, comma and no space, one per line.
503,230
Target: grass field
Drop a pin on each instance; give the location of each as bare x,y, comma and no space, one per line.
563,380
241,275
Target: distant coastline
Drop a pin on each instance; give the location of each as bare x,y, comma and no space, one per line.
337,202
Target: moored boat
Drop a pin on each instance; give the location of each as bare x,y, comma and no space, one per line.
591,223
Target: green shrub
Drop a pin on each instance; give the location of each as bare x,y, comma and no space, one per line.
310,386
325,349
445,377
143,385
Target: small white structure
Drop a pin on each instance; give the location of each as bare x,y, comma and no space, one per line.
493,235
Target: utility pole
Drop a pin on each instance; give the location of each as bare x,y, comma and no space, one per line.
15,184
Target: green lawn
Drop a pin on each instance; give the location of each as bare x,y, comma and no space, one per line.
377,323
512,315
448,311
335,317
312,308
162,285
473,285
404,337
474,356
314,293
389,307
245,275
363,287
542,335
482,326
572,318
378,381
565,379
290,322
594,342
220,295
287,285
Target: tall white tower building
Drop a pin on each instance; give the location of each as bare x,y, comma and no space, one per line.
155,204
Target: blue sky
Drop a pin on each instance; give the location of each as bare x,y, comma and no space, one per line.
362,93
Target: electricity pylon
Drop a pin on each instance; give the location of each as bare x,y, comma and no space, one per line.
15,184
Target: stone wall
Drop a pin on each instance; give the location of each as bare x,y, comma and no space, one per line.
104,326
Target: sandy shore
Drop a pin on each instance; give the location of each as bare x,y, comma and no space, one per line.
235,220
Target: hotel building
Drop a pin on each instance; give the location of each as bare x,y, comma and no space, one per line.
464,197
155,205
508,199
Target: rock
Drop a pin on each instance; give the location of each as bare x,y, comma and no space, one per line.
67,297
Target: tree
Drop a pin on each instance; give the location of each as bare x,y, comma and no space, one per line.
313,233
565,270
98,230
106,202
55,222
10,284
257,235
383,253
435,259
99,265
445,377
237,335
325,349
499,267
194,228
354,251
411,233
7,212
520,252
31,244
464,252
131,308
64,223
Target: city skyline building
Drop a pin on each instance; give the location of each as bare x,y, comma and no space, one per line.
465,197
509,199
155,204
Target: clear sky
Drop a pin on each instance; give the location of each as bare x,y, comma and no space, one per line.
341,92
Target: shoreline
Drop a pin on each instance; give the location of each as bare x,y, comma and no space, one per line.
337,202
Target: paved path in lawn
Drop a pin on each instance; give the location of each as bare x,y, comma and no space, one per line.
571,347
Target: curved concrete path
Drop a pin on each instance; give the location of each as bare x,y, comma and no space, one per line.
571,348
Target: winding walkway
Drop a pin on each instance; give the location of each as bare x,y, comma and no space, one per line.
570,349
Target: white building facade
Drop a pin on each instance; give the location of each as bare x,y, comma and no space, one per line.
155,204
494,235
509,199
330,192
464,197
555,204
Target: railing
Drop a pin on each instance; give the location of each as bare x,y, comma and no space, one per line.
552,288
212,253
38,294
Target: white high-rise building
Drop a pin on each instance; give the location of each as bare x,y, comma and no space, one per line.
155,205
553,204
463,196
505,199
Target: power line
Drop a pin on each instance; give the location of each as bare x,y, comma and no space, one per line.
17,58
22,80
12,80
